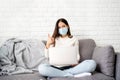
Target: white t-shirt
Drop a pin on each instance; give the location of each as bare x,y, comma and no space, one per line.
65,42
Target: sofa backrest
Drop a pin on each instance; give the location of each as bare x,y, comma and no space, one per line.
86,48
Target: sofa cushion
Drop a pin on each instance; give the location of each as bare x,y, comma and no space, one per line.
86,48
104,57
94,76
72,78
101,76
32,76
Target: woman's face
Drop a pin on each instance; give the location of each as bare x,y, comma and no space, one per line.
63,28
61,25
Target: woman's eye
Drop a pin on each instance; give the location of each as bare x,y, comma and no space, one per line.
63,26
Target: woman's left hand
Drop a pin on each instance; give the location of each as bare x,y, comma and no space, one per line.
74,65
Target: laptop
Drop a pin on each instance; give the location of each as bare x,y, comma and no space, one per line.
62,55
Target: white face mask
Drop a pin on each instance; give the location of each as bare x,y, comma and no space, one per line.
63,31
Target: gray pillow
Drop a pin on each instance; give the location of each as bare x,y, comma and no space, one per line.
105,59
86,48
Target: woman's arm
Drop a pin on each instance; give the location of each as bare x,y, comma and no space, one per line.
77,49
50,41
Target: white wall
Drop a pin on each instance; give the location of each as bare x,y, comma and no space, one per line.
95,19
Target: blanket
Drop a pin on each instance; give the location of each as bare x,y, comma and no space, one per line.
21,56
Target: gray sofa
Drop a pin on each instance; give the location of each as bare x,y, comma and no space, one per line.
108,64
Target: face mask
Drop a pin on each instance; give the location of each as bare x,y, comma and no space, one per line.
63,31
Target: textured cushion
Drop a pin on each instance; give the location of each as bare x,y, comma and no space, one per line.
104,57
86,48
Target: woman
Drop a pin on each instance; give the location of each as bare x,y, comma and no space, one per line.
62,37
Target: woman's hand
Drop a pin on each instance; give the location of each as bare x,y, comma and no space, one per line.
74,65
50,41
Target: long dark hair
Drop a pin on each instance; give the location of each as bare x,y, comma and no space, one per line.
56,33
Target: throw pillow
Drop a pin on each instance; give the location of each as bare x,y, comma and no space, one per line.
105,59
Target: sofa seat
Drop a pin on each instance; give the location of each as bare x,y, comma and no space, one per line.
37,76
101,76
95,76
30,76
81,78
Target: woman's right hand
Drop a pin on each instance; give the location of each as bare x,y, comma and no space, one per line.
49,41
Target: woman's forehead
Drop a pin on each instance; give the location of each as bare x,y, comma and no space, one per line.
60,24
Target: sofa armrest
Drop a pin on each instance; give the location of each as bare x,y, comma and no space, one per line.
117,69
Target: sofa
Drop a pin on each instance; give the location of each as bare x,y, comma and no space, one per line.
108,64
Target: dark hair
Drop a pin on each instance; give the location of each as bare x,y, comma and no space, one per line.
56,33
